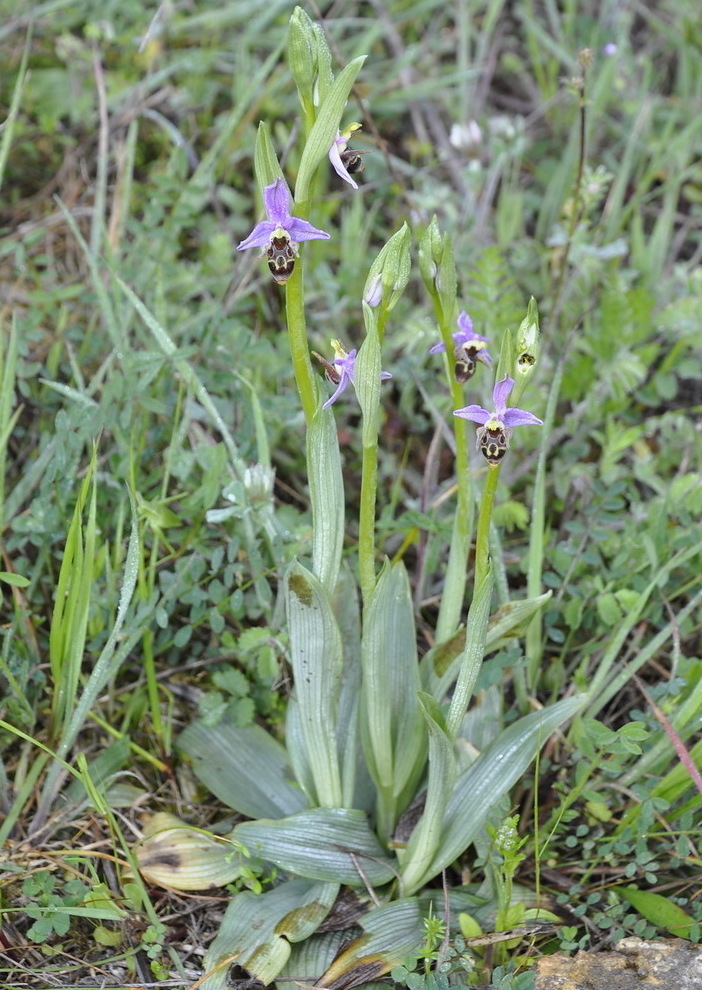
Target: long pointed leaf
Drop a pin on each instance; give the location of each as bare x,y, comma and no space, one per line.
358,790
315,657
496,770
393,730
426,837
326,485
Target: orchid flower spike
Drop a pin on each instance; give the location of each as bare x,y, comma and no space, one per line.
280,234
469,348
493,439
346,161
342,371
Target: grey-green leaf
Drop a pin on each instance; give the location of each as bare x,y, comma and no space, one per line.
257,929
334,844
316,660
495,771
246,768
390,934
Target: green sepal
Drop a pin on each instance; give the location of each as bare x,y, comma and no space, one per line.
266,164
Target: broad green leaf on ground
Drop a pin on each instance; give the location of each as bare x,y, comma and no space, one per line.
490,777
660,911
245,767
334,844
257,929
316,660
390,934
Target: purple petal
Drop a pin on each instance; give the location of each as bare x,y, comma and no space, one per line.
338,165
520,417
485,357
260,236
343,384
464,322
437,348
475,413
302,230
276,200
500,394
384,375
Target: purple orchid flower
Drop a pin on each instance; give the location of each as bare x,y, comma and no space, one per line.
493,439
342,371
469,348
280,234
343,159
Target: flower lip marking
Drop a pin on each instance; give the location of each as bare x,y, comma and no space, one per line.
493,439
280,234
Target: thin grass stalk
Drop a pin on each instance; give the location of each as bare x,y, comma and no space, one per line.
8,367
104,669
9,123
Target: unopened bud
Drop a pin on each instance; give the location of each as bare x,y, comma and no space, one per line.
390,271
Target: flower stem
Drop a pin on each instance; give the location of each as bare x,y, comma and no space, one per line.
456,570
366,522
297,335
482,540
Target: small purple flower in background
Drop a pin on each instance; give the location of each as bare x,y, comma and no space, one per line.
341,372
280,234
609,49
469,348
493,439
345,160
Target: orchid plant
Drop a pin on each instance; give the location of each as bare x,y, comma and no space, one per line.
380,783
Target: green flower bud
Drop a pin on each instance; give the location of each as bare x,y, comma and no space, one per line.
390,272
438,268
431,249
310,62
302,54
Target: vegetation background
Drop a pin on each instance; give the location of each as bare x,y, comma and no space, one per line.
126,159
